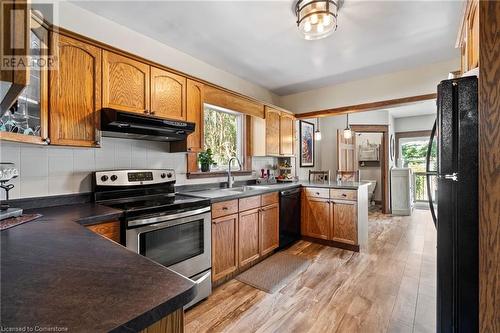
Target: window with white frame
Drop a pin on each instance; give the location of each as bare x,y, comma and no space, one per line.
223,132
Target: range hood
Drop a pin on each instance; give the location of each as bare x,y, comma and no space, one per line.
120,124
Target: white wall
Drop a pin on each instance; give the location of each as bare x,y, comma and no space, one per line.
416,123
86,23
415,81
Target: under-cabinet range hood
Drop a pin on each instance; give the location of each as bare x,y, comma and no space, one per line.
130,125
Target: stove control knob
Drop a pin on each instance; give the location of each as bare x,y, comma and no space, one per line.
163,175
104,178
113,178
169,175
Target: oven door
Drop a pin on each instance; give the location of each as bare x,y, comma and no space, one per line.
181,242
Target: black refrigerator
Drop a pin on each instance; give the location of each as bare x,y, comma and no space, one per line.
455,211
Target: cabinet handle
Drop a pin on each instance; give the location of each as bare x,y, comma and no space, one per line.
224,208
317,193
46,140
146,111
344,195
151,112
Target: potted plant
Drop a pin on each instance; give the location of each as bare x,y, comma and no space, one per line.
206,160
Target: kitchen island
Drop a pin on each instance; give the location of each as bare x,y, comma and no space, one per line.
56,274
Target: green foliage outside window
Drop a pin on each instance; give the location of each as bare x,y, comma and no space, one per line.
414,154
221,135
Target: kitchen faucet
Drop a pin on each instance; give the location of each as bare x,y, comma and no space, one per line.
230,179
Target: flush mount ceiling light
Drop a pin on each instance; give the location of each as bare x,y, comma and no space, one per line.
317,19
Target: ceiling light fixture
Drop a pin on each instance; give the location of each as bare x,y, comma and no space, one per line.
317,133
347,130
317,19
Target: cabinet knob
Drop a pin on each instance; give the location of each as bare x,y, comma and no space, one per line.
151,112
46,140
344,195
146,111
224,208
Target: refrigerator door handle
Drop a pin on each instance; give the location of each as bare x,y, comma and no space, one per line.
428,175
453,176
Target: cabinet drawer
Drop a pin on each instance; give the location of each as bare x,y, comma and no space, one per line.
317,192
270,198
224,208
249,203
343,194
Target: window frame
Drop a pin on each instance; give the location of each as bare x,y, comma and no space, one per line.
240,136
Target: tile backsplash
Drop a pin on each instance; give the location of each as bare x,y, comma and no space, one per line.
51,170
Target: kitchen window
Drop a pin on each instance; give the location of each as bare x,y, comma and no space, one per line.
223,131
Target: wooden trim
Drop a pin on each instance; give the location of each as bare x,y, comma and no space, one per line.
489,166
384,163
213,174
366,106
411,134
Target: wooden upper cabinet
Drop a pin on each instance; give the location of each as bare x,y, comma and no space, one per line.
287,122
248,239
468,37
168,94
345,222
125,83
315,219
224,246
75,93
272,131
195,95
269,228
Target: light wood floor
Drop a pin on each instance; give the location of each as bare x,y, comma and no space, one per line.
389,288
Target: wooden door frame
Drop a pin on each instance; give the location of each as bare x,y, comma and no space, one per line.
384,165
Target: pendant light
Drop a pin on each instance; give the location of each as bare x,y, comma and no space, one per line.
317,133
347,130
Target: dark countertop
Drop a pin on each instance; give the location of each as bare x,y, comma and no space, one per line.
267,188
55,272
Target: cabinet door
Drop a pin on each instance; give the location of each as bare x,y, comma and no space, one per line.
75,93
168,94
224,246
286,134
315,217
125,83
248,230
345,222
269,228
195,95
272,131
109,230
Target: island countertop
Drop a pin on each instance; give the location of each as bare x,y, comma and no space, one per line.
57,274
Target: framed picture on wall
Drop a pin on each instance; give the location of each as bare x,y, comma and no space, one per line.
306,144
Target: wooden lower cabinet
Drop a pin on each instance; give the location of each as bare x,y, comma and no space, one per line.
243,236
172,323
316,217
269,228
110,229
344,222
248,234
224,246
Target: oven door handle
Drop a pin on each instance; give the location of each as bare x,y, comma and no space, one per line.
202,279
138,222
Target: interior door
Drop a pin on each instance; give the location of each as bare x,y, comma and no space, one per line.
347,159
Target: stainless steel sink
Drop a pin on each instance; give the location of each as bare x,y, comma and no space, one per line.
246,188
217,193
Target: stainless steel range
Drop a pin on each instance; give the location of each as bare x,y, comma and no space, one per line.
169,228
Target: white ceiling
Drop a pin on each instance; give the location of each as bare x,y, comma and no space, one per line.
259,40
415,109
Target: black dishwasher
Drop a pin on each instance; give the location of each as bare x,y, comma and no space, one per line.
289,217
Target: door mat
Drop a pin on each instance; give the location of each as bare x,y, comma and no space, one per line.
273,273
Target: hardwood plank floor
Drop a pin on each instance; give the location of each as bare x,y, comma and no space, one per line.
389,288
